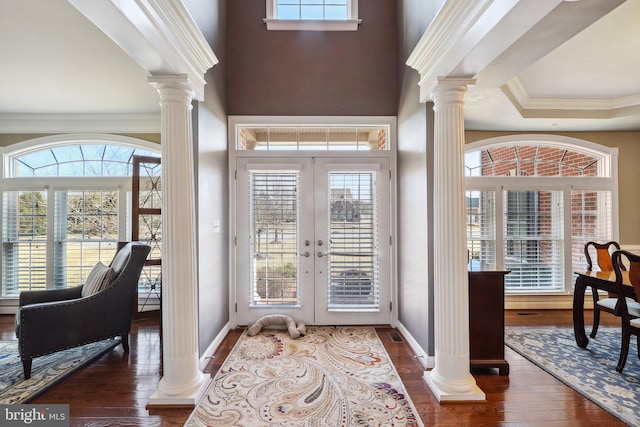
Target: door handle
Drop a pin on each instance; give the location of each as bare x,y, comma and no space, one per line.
306,254
320,254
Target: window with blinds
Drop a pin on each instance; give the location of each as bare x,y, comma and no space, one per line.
533,239
553,194
590,221
51,238
273,211
24,241
481,227
86,231
353,241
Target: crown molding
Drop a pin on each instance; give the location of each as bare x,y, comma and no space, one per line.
160,35
493,40
588,108
85,123
441,40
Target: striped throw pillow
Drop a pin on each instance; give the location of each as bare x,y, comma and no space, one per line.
98,279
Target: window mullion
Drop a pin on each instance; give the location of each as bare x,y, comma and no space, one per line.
568,239
56,259
499,224
51,225
124,213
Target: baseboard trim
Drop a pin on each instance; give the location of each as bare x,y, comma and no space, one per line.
211,349
427,362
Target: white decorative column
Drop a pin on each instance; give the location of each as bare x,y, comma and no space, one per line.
450,380
183,382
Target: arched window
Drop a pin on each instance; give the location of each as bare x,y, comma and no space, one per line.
65,204
533,201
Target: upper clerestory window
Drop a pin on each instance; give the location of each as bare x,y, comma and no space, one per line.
312,15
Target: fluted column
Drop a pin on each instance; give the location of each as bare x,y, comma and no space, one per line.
183,382
451,378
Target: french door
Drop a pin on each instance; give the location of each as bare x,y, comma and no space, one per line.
313,240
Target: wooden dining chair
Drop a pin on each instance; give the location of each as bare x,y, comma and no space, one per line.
628,309
602,253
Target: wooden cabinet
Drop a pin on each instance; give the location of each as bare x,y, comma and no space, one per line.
486,320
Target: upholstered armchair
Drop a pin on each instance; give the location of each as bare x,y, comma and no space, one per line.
48,321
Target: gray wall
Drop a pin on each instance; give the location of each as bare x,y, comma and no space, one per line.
210,139
415,149
311,72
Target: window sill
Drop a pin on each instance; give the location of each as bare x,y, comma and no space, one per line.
311,25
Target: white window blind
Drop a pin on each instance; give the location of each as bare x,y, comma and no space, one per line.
533,239
353,241
481,227
273,214
591,220
24,241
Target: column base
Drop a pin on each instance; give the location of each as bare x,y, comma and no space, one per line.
187,399
474,395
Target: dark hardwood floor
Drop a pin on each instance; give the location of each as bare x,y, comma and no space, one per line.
113,391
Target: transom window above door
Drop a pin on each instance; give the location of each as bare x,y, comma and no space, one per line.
299,138
312,15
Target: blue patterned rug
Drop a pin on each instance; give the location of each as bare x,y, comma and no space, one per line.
591,371
46,370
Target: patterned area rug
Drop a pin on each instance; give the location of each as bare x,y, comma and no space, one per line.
46,371
330,377
591,371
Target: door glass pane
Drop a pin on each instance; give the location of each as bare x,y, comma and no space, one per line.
352,246
273,215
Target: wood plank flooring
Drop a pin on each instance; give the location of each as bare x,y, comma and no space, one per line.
114,390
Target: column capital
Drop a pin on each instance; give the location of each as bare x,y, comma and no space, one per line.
450,91
173,88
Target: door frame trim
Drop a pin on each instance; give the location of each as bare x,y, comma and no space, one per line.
234,122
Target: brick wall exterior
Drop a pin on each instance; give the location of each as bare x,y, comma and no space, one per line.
382,139
536,161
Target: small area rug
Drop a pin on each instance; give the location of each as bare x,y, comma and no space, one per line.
591,371
330,377
46,371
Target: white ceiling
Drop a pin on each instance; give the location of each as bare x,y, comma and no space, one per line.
591,82
53,60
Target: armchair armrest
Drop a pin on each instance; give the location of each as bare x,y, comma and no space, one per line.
49,295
